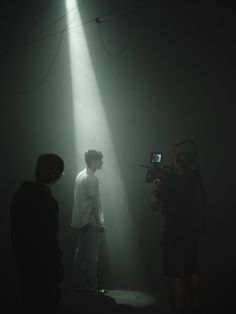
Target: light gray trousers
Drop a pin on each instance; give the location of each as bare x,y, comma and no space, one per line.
86,257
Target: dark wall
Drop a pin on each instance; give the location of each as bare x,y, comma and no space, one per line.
173,79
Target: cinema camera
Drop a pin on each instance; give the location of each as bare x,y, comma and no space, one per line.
157,170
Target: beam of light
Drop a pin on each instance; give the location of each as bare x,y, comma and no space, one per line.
92,132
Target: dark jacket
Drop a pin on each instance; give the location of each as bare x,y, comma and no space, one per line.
34,230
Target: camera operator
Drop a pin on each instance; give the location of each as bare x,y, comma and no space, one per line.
177,198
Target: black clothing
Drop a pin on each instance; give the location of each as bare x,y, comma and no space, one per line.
180,238
34,231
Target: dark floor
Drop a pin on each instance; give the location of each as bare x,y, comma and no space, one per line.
115,301
134,301
218,299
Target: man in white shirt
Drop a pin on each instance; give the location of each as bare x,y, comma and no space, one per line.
87,218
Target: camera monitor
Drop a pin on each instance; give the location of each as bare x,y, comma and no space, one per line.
156,158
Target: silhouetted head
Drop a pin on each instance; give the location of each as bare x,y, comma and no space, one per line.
184,162
49,168
93,159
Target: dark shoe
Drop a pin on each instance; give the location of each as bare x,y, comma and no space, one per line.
98,292
101,291
92,291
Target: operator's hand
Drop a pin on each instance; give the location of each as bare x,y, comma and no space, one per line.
157,182
156,185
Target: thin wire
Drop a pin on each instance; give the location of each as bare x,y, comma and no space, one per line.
60,18
63,30
59,32
55,22
125,44
66,28
36,40
48,36
48,70
52,61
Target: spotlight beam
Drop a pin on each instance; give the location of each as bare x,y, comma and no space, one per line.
92,132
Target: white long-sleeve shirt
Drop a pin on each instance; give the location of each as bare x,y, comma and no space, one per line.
87,204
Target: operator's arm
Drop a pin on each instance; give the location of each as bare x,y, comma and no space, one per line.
155,202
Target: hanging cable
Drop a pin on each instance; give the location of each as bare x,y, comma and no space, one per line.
37,39
60,18
98,21
52,61
126,42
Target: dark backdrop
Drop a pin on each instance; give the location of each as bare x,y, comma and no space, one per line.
173,79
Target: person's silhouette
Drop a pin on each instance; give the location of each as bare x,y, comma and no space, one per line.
179,197
34,231
88,220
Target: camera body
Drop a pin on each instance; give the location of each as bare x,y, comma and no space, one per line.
154,170
185,160
157,170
